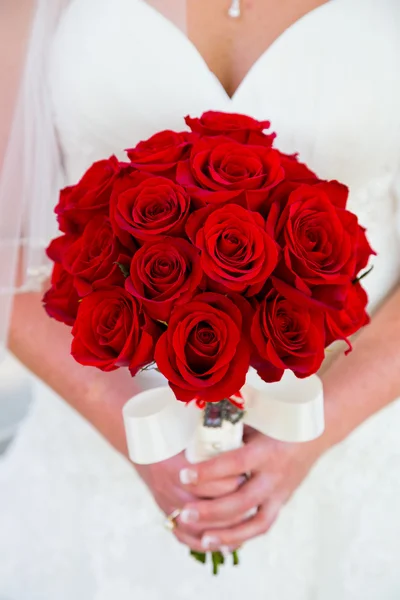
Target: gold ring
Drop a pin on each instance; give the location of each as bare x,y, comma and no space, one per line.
170,521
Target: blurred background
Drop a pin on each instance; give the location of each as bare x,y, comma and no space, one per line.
15,395
15,399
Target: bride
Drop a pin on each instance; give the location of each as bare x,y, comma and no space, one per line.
77,519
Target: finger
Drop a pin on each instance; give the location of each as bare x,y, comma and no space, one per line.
193,543
192,528
215,539
175,497
248,433
246,459
188,531
231,507
197,528
173,467
188,520
189,526
216,489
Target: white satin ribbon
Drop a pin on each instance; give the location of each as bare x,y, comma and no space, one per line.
159,427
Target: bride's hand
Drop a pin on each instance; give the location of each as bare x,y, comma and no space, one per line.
276,469
163,480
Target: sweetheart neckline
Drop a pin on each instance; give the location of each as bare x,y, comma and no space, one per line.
311,14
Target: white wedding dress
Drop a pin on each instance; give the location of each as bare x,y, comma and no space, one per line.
76,523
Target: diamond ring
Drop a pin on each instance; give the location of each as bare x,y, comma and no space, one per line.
170,521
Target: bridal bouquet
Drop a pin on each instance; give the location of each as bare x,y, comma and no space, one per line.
207,253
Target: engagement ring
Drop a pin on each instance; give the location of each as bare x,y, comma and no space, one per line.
170,521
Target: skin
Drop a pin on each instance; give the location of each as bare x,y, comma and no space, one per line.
230,47
15,20
218,497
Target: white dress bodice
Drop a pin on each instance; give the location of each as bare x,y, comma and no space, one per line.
75,520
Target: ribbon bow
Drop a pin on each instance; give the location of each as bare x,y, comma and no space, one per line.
159,427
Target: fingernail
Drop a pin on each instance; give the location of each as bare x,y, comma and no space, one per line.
250,513
188,476
209,542
189,515
226,551
242,480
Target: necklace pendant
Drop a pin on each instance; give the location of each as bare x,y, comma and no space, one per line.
234,10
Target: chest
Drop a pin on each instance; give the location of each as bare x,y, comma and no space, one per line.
230,46
120,71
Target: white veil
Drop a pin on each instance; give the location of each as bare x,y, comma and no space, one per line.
32,171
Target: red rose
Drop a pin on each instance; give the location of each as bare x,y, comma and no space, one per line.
112,331
319,236
236,252
235,126
161,152
91,196
148,208
318,239
164,274
61,301
221,170
203,353
59,246
341,324
287,336
363,251
296,170
94,257
283,195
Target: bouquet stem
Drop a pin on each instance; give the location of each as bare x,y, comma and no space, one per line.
220,430
217,559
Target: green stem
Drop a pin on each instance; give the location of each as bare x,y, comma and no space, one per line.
199,556
217,559
360,277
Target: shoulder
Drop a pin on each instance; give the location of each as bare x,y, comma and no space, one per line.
15,25
369,26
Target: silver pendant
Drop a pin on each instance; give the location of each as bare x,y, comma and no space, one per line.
234,10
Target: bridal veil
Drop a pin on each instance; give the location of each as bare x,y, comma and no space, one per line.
32,173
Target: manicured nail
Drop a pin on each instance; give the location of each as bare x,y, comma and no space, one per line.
226,551
242,479
188,476
189,515
250,513
209,542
